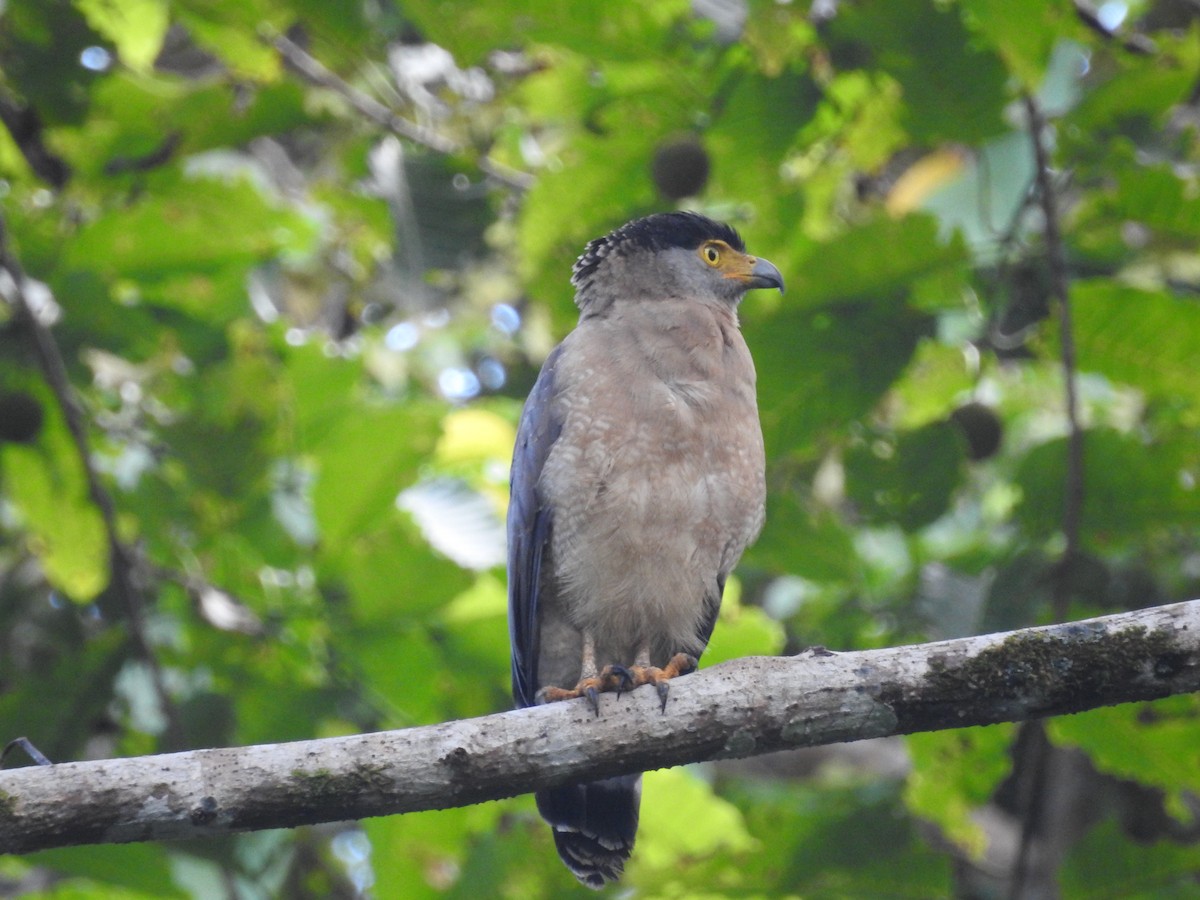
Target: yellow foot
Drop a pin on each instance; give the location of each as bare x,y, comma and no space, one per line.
630,677
588,688
620,679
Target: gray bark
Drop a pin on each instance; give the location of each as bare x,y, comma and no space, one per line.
740,708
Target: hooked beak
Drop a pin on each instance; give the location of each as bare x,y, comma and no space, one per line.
765,275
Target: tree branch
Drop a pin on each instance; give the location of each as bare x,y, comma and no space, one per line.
122,579
1060,289
25,126
315,72
1073,488
740,708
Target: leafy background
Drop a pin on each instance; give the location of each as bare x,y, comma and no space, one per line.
302,260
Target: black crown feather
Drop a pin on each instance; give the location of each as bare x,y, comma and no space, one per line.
657,232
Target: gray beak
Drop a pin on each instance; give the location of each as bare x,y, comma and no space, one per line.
765,275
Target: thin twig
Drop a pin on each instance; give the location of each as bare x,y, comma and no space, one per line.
1060,290
317,73
1074,487
23,743
1137,44
121,557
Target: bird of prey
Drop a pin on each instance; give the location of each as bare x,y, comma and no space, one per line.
637,482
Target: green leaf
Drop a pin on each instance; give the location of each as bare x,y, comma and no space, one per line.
476,648
908,481
417,854
592,27
1156,197
1136,97
849,267
135,115
69,690
955,773
671,797
40,43
231,31
196,224
1023,33
142,868
136,27
1131,487
400,667
954,90
832,837
802,541
1149,339
365,462
392,574
47,484
1153,744
742,631
818,369
936,382
749,127
1106,863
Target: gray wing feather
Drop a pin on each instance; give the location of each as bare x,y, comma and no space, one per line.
529,524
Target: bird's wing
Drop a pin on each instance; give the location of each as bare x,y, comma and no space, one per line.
529,522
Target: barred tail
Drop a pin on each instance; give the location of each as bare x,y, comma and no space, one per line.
594,825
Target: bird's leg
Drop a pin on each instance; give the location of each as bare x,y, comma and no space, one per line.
643,672
590,684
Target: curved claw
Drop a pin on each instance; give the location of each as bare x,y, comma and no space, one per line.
625,678
664,688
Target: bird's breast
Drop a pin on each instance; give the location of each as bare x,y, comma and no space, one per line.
657,486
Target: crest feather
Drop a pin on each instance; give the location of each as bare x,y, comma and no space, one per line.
657,232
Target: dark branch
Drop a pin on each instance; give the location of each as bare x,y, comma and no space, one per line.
740,708
122,580
1137,44
159,156
316,73
25,126
1073,489
1060,289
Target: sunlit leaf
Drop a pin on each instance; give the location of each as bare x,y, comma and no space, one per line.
364,464
742,630
1150,744
472,29
136,27
47,483
954,773
673,796
1022,33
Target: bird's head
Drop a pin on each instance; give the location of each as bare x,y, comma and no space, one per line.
676,254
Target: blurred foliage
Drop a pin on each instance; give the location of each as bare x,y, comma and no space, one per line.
300,343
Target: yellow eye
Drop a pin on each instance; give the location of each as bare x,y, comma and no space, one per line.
711,254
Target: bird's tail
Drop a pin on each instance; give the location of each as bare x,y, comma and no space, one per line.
594,825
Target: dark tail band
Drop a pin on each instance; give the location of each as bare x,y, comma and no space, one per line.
594,825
